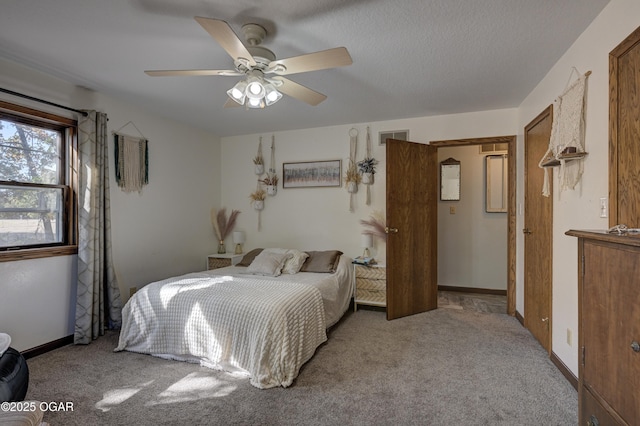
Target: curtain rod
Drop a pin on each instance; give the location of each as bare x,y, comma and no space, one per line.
42,101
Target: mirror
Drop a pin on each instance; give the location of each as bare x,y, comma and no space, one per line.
450,180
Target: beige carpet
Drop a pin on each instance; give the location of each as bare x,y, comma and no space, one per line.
445,367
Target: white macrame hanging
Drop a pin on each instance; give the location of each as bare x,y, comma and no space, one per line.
352,187
272,164
567,131
368,202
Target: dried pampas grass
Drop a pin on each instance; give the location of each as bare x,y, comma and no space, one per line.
221,225
375,225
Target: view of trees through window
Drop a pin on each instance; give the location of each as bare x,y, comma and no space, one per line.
31,194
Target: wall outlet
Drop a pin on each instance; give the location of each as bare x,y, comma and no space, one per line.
132,291
569,337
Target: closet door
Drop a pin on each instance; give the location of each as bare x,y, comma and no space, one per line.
624,133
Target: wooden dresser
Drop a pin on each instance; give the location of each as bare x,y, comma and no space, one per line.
609,328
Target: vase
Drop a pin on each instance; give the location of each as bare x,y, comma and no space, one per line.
352,187
367,178
272,189
222,248
258,204
259,168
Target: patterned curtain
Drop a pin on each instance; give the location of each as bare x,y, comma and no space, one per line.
98,304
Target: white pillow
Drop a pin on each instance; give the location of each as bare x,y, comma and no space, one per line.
294,263
268,263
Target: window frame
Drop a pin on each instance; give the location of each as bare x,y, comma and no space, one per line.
68,179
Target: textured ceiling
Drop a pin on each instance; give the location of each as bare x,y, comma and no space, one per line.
411,58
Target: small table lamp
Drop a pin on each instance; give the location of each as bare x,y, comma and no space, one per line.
238,238
366,242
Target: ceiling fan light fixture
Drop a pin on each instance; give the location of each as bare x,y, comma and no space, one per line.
238,92
255,103
271,94
255,88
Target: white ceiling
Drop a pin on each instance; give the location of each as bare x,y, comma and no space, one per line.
411,58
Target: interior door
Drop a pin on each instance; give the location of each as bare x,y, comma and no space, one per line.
538,231
412,264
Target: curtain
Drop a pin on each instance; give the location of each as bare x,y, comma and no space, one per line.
98,304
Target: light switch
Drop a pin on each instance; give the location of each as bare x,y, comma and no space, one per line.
452,210
604,207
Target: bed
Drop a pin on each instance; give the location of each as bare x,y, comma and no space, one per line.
262,325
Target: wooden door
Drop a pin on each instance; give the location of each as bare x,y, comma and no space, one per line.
624,132
538,231
412,264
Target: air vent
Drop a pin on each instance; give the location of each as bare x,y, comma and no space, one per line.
402,135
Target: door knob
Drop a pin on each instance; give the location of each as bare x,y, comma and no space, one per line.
635,346
545,319
527,231
390,230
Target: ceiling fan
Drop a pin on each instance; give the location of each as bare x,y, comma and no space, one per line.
263,84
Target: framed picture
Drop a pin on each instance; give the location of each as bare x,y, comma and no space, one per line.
310,174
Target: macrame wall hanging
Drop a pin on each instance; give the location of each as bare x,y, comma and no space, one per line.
367,168
352,177
257,197
271,181
131,160
566,145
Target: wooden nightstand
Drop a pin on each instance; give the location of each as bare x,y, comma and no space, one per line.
215,261
370,285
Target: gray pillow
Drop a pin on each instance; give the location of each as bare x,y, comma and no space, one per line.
321,261
268,263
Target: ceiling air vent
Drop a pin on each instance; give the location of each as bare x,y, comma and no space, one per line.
402,135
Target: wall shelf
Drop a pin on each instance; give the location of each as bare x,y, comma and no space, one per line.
553,162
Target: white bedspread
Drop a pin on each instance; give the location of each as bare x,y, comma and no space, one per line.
261,326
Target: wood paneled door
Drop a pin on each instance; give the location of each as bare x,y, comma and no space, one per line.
538,231
412,264
624,132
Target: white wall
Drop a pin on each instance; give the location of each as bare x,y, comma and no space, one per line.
472,244
319,218
577,209
162,232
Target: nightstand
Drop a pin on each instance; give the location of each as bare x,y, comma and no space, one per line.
215,261
370,285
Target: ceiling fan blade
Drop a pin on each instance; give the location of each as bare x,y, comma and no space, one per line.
299,91
231,103
191,73
330,58
224,35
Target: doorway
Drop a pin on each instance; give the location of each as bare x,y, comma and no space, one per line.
510,141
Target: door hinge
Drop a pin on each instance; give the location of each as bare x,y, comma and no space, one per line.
583,356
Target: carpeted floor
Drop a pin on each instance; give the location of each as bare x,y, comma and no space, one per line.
444,367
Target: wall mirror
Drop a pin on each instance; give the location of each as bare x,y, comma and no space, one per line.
450,180
496,183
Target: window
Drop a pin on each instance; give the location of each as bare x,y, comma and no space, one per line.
36,209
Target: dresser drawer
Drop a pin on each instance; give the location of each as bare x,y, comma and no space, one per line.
592,413
215,263
374,273
370,286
